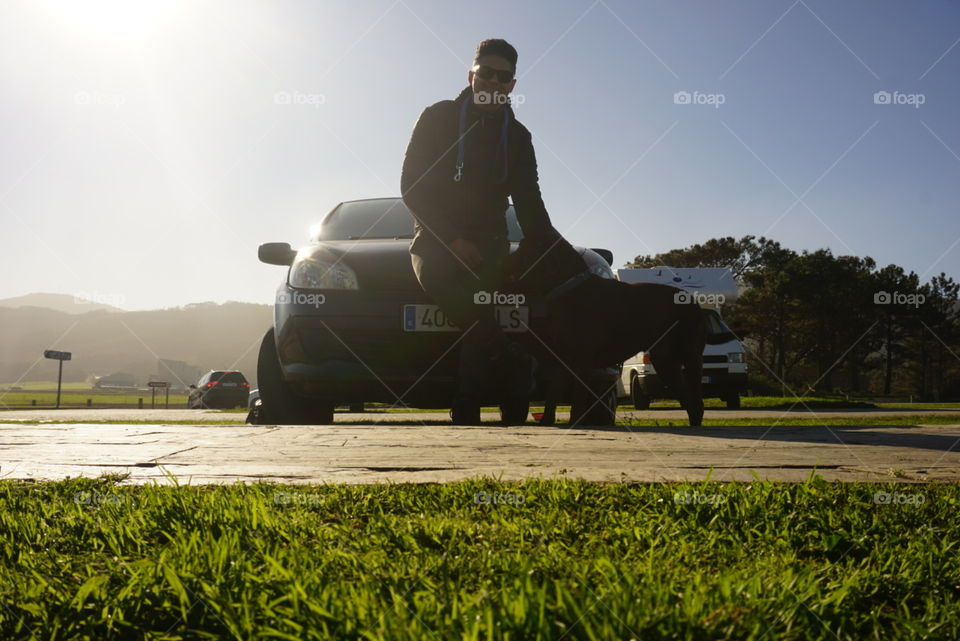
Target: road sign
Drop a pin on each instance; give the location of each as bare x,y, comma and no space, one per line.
58,356
158,384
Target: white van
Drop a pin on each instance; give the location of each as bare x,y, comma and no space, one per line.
724,365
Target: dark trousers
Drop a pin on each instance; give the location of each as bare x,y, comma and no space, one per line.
456,289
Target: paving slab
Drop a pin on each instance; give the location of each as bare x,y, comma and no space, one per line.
412,452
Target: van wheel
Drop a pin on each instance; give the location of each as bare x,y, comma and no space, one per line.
280,404
640,400
733,401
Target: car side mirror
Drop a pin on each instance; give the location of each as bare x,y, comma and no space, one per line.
606,254
276,254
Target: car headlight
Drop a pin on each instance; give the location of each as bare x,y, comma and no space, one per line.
313,273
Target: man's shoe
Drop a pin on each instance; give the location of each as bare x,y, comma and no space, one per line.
465,413
514,411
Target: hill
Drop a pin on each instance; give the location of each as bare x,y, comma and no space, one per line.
206,335
79,304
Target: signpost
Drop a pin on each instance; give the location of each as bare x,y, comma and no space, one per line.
58,356
154,386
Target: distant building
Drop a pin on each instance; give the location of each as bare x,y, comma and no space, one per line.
179,374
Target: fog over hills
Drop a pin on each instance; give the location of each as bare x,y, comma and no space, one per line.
81,303
205,335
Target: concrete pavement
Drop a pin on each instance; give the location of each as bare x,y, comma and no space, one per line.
397,448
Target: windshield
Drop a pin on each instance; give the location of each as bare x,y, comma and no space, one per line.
714,323
381,218
228,377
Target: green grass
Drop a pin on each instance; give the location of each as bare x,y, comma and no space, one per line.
808,421
920,406
90,559
78,398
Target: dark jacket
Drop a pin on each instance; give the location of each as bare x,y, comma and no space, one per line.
472,208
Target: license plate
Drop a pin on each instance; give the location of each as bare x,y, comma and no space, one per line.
706,379
228,384
430,318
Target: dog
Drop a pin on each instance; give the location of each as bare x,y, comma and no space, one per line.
595,322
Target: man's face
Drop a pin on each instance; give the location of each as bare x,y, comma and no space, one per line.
491,92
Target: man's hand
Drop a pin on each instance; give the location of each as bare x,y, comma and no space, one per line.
466,251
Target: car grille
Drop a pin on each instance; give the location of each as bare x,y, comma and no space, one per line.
377,350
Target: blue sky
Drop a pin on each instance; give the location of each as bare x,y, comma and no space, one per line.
145,156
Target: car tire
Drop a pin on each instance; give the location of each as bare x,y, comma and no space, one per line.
640,400
280,404
733,401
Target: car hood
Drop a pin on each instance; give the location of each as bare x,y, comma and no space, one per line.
386,262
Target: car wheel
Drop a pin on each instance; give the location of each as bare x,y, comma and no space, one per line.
640,400
514,412
280,404
733,401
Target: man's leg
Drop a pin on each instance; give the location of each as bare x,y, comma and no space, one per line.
453,288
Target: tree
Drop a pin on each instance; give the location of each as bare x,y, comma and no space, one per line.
741,256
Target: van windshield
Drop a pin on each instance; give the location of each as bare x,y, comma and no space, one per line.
715,324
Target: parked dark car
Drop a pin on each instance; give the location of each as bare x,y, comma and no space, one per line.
223,389
351,323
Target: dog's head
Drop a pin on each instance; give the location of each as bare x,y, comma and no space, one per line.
540,265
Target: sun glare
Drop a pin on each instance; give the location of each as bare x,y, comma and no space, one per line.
114,19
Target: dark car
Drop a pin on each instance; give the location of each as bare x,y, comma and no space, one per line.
219,389
351,323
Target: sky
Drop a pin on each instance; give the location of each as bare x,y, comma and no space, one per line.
150,147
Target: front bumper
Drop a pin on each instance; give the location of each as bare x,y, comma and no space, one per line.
718,384
353,348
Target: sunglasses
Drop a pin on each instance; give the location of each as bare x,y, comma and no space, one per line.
487,73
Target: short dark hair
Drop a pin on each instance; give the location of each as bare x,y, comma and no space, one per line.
497,47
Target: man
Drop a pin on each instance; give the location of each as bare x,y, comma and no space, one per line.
465,158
